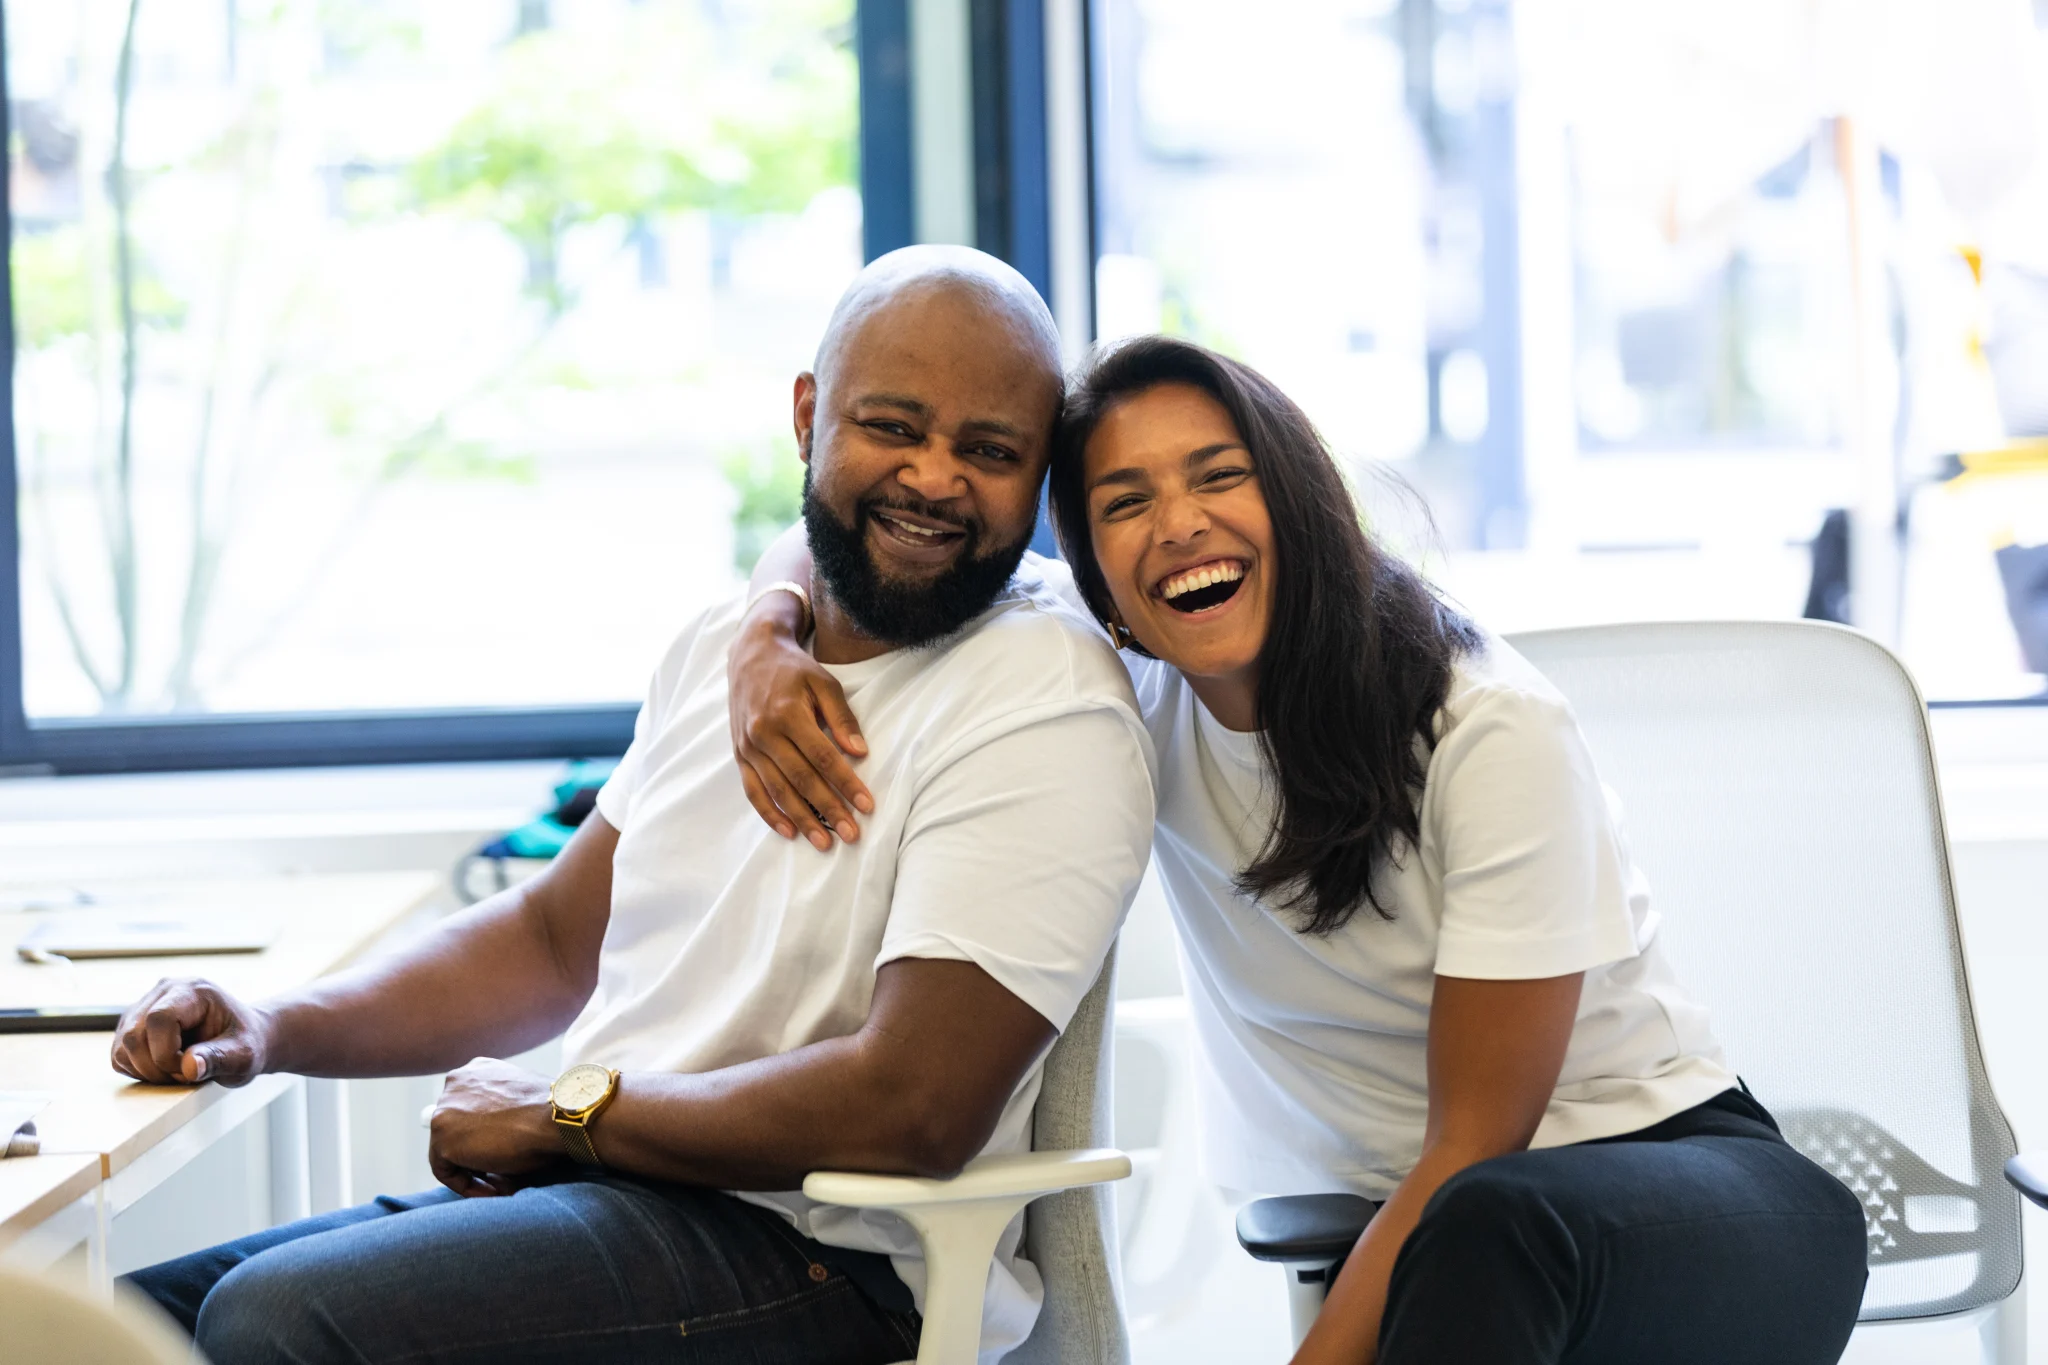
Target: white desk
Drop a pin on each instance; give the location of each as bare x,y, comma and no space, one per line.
49,1207
134,1136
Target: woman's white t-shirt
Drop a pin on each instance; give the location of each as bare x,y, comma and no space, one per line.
1313,1049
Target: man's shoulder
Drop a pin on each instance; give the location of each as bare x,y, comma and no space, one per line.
698,646
1034,644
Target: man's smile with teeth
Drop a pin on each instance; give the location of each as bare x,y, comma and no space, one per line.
897,523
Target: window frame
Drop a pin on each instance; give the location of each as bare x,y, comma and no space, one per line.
325,738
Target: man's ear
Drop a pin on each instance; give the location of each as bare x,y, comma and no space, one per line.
806,414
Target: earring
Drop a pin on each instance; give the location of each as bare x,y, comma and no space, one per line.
1120,634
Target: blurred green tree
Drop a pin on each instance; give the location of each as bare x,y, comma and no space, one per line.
768,489
664,112
583,128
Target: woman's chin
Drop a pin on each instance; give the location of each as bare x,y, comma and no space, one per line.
1204,655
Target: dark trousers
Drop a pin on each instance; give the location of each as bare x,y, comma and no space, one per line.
589,1268
1704,1240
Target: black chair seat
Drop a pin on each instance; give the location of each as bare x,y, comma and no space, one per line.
1303,1227
2028,1173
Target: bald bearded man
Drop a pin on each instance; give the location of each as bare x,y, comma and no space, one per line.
742,1009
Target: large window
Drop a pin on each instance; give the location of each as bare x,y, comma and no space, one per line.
1657,308
405,356
390,379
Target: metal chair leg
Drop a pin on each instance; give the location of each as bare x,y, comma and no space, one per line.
1307,1284
2004,1329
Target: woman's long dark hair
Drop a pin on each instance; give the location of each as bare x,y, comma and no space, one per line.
1358,654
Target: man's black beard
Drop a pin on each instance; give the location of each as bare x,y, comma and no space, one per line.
903,614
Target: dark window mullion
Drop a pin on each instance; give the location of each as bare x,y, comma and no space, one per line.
888,182
13,713
316,740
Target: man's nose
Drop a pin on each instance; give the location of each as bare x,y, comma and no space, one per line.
933,472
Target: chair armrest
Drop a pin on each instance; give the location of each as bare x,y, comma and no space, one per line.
2028,1173
1303,1227
1025,1174
959,1222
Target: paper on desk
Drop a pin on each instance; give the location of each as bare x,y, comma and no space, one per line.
18,1109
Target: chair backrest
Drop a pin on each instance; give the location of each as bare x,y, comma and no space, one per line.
1777,787
54,1319
1071,1236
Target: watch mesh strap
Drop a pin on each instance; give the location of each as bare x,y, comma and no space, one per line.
576,1137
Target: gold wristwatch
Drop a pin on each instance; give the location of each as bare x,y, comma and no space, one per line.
579,1095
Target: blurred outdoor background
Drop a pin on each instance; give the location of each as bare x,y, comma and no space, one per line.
398,354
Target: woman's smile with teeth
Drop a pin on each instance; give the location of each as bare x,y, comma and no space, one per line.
1202,576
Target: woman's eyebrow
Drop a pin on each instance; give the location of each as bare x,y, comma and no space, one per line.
1203,454
1129,474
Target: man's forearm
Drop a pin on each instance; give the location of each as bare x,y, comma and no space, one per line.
916,1091
484,982
767,1124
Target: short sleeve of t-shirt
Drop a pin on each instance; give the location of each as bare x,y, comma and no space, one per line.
1021,856
1148,675
1534,880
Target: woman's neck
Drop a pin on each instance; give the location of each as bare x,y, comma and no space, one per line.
1233,699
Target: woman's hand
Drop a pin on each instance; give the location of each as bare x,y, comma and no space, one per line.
792,730
1495,1051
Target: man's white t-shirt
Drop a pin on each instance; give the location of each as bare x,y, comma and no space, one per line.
1313,1064
1013,815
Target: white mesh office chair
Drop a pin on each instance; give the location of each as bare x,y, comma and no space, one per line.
1069,1224
1777,784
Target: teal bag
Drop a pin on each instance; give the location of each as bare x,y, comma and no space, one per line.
546,836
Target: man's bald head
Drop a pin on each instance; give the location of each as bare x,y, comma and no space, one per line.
896,288
927,424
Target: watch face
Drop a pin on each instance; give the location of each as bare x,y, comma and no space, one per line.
580,1087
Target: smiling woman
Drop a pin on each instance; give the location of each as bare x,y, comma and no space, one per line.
1177,468
1180,534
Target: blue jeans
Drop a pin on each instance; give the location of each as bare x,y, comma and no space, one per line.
592,1267
1703,1240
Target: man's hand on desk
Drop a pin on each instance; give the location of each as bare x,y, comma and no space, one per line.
187,1031
492,1126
